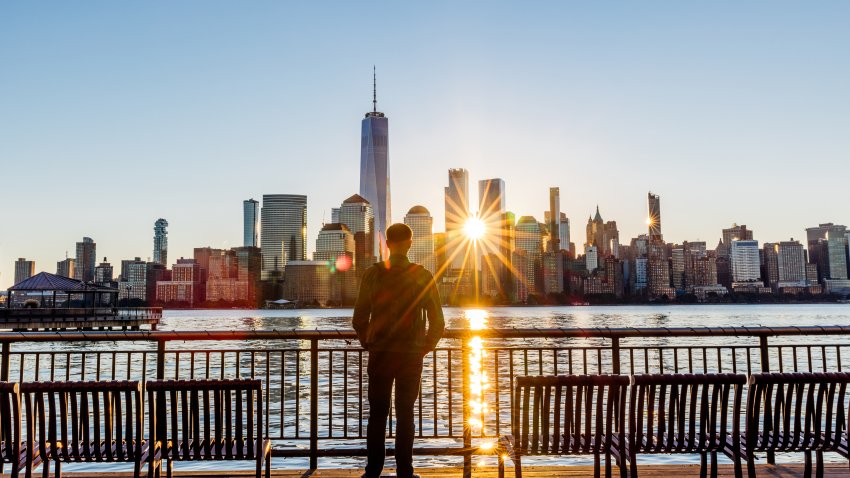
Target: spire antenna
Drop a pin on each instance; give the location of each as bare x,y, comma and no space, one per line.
374,91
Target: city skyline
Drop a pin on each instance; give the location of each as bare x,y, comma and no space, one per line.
755,117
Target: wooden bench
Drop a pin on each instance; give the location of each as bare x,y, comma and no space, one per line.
11,447
569,415
686,413
83,422
208,420
797,412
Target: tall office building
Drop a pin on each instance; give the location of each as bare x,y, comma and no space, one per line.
791,262
250,223
554,221
744,257
132,283
491,197
24,269
103,273
604,235
335,246
736,233
356,213
457,213
85,261
283,235
564,233
422,251
491,209
160,242
529,240
375,171
654,217
825,242
65,268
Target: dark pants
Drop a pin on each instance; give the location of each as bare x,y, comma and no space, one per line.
406,370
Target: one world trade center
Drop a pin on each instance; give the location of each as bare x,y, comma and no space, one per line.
375,171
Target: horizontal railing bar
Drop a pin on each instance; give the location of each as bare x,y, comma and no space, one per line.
455,333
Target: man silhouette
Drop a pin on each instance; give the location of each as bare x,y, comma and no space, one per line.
395,301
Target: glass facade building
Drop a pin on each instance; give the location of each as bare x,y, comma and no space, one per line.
251,223
375,173
283,235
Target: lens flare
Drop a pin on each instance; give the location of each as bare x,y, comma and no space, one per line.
474,228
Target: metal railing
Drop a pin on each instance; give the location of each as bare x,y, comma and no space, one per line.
315,380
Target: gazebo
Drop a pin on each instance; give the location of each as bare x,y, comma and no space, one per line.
46,290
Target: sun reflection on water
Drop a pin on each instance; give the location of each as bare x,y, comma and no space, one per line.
478,379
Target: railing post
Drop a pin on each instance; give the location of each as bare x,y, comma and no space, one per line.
765,368
314,404
160,359
467,430
615,355
5,360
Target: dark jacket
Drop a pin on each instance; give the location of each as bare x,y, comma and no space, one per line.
396,300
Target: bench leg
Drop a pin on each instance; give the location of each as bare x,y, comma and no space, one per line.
269,465
807,467
703,465
169,468
501,466
714,464
518,467
819,464
751,465
45,468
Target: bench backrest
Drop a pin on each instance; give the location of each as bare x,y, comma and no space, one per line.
574,414
201,415
71,419
684,413
797,411
10,422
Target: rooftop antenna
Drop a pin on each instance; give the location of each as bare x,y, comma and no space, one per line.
374,91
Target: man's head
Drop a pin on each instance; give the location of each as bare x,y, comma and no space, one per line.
399,239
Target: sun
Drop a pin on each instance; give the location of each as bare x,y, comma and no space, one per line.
474,228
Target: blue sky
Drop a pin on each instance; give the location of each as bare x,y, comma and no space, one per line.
113,114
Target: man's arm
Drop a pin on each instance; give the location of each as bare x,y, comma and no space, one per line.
363,308
436,323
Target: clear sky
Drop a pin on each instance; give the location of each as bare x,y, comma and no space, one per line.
113,114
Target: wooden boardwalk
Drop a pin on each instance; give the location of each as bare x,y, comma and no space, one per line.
646,471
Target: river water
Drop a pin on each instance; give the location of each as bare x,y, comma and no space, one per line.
520,317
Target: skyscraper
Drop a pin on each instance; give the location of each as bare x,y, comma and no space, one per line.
422,224
737,233
529,239
24,269
65,268
160,242
103,273
375,170
251,223
457,213
491,198
744,257
554,220
335,246
85,261
491,210
654,217
356,213
283,235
